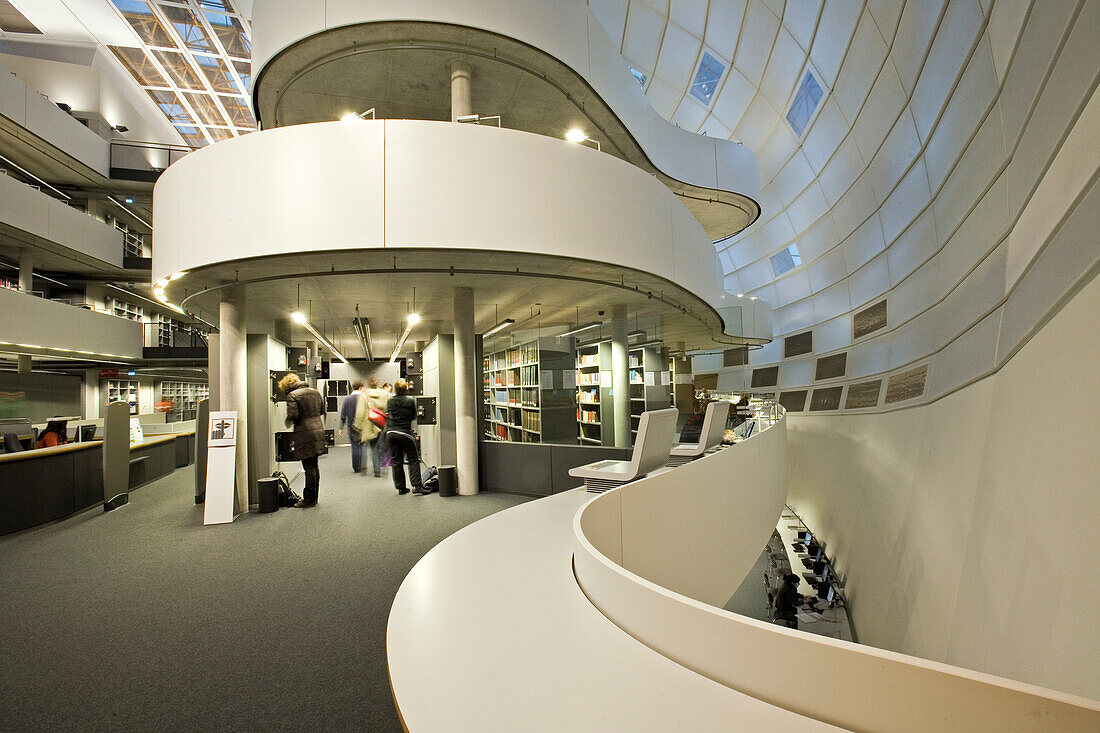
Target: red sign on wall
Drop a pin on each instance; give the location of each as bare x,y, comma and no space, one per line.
107,373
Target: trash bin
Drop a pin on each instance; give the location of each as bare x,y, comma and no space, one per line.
268,490
448,480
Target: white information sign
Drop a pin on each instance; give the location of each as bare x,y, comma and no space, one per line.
136,435
650,379
221,463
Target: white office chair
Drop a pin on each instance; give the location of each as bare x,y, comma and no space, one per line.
714,426
655,433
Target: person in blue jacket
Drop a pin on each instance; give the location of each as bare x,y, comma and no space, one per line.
347,419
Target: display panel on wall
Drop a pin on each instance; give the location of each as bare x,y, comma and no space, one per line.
906,385
765,376
799,344
863,394
869,320
793,401
831,367
825,398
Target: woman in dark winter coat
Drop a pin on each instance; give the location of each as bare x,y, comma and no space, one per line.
304,407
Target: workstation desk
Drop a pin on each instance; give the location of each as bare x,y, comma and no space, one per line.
47,484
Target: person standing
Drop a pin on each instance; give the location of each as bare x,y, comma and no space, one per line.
372,433
303,413
400,414
347,418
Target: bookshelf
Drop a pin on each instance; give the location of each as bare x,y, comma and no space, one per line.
185,397
123,390
524,396
650,378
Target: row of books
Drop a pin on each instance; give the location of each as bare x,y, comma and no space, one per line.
532,420
587,415
524,354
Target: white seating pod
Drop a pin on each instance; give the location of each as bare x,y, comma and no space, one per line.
710,434
651,449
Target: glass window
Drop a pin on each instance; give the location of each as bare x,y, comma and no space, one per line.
785,260
706,78
639,76
805,102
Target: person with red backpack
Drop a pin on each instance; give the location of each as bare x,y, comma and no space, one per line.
370,421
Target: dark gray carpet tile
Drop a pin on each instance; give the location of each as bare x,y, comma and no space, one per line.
143,619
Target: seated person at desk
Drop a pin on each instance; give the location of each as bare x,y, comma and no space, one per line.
56,433
787,601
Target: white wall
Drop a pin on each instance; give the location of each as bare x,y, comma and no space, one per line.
43,323
962,525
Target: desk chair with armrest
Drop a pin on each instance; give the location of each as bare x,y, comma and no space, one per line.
714,426
651,447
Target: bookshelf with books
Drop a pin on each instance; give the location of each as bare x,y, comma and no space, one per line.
524,394
649,382
595,405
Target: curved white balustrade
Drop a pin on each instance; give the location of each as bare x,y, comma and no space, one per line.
391,184
644,557
563,29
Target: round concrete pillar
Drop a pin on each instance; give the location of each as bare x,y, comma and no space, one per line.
466,387
462,102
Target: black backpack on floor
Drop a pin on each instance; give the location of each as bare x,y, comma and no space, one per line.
431,479
287,497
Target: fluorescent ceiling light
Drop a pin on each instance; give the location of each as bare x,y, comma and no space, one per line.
576,135
583,327
500,326
468,118
300,318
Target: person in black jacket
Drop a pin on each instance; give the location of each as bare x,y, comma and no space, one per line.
304,406
787,601
400,414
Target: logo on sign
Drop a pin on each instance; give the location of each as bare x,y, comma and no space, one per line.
223,429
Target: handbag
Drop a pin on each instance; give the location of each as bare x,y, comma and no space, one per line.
377,417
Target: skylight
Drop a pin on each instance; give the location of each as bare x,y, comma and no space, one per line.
706,78
194,62
785,260
639,76
805,102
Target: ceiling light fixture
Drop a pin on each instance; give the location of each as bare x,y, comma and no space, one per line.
300,318
500,326
352,117
576,135
413,319
582,327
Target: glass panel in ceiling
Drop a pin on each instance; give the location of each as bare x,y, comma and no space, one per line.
244,70
219,133
239,113
189,28
139,66
205,108
144,23
805,102
176,66
169,103
13,21
215,5
217,74
232,35
706,78
192,136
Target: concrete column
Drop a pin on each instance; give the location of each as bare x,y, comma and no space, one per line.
213,369
232,380
26,284
466,389
461,92
620,376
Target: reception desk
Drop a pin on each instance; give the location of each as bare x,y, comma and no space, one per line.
47,484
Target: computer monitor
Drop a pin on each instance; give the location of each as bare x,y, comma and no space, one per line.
826,592
816,551
86,433
820,567
804,535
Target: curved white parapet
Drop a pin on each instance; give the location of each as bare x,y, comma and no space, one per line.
406,184
563,29
642,557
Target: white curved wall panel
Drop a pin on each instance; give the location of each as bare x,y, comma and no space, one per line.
564,30
406,183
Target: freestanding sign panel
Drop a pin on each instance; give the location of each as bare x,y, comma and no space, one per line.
221,461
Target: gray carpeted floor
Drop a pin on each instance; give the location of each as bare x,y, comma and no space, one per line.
143,619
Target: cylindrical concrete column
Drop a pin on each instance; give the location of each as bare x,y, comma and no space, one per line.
462,102
466,388
232,379
26,284
620,376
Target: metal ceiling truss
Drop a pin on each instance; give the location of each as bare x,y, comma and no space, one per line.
181,53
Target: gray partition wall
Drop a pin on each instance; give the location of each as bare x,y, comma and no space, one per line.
537,469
